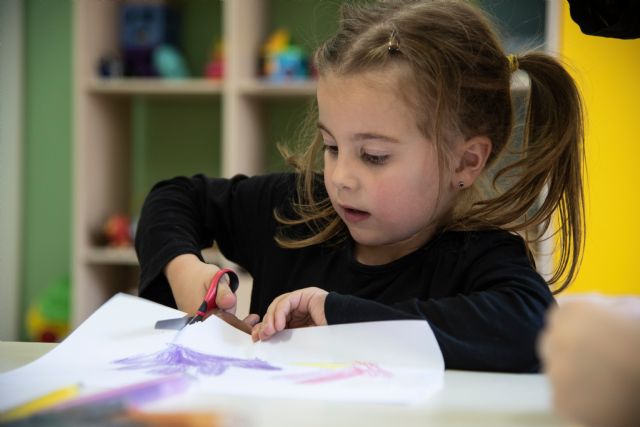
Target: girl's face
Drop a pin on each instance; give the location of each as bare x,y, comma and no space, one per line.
380,171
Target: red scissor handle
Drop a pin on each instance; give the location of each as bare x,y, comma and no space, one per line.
209,302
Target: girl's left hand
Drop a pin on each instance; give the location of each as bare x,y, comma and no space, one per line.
304,307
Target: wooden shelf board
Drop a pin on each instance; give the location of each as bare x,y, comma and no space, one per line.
205,87
265,89
141,86
307,88
127,256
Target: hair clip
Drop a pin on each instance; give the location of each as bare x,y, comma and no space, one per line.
392,44
513,63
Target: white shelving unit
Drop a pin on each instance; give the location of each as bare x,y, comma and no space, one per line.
102,129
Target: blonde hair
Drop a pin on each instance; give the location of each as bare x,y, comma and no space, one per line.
460,77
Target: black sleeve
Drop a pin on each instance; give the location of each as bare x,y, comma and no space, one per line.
185,215
491,326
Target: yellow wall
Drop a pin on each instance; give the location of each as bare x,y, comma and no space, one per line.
608,73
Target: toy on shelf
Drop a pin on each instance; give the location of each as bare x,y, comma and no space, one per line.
47,318
283,61
169,63
149,41
110,66
117,231
215,67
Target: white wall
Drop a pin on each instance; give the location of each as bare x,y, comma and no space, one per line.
11,112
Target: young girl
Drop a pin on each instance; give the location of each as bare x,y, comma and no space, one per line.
385,217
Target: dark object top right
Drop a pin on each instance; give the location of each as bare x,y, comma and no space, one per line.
607,18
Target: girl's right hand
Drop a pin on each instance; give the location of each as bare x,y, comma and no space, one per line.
190,278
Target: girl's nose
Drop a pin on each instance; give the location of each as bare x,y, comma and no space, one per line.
343,176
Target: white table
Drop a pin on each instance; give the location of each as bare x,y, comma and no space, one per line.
467,399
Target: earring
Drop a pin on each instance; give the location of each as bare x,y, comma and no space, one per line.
460,184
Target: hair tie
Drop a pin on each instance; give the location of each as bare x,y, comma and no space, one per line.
513,63
392,44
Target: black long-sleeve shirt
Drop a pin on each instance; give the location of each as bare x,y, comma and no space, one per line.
478,290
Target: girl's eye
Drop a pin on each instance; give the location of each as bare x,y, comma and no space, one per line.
331,149
375,160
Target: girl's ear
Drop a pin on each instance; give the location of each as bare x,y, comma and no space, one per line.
472,157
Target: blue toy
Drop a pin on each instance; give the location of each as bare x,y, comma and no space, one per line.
289,64
143,28
168,62
283,61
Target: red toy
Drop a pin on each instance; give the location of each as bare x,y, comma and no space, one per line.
117,230
215,67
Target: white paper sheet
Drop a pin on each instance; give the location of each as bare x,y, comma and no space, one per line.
394,361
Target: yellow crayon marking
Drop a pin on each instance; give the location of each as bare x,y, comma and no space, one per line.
40,403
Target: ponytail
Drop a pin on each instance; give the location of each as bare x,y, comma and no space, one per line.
551,165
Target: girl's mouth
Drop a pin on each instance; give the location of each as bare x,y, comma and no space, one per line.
355,215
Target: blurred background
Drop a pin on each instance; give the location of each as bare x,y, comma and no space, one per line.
99,99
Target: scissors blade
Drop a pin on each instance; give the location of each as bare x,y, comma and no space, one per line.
207,305
176,323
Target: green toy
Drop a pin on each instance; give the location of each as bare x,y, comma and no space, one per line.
48,316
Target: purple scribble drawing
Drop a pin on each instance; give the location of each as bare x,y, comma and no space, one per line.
357,369
178,359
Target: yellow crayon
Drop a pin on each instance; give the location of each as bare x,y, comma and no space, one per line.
40,403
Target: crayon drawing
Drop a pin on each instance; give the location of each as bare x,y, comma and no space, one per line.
326,374
178,359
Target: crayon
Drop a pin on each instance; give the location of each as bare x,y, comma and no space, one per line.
175,419
134,395
41,403
96,407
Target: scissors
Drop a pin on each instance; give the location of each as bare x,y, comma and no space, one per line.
208,304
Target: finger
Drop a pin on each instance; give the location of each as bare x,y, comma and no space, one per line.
232,320
255,332
267,328
225,298
284,308
261,332
251,320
